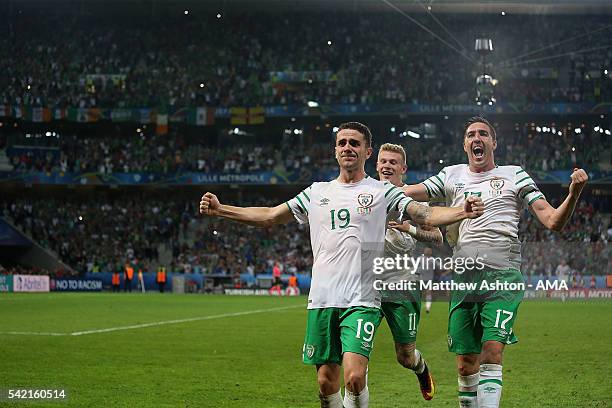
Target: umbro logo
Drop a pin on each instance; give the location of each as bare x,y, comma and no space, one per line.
324,201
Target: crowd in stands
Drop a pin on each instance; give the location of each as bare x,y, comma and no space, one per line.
85,61
524,144
573,255
93,235
163,154
142,227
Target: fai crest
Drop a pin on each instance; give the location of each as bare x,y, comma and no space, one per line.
365,199
497,184
309,349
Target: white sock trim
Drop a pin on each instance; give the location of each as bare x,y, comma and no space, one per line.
360,400
419,365
490,367
468,383
331,400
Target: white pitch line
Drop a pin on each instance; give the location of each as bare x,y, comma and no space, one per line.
35,333
152,324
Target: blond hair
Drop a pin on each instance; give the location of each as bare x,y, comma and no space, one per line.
395,148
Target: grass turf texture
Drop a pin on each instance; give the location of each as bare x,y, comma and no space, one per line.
254,360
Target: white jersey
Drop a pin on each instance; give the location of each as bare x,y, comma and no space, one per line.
342,219
399,243
505,190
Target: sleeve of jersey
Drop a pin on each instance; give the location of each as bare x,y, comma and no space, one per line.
435,186
300,205
395,198
527,189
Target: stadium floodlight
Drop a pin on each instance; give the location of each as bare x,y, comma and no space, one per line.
608,132
48,134
335,129
313,104
186,12
538,129
413,134
484,46
441,161
573,149
329,42
559,133
503,13
218,15
393,129
201,84
596,129
577,131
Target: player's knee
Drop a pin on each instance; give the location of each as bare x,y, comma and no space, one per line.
327,385
355,380
468,365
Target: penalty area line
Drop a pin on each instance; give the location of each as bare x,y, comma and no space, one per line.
152,324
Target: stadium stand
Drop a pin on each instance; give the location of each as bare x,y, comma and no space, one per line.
88,62
369,59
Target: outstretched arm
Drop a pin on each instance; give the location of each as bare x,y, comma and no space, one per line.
256,216
416,191
434,216
556,218
422,233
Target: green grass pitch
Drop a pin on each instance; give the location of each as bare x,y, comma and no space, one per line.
247,353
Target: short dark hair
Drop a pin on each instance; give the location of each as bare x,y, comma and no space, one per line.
479,119
361,128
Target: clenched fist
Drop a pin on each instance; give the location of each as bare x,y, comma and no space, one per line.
578,179
209,204
473,207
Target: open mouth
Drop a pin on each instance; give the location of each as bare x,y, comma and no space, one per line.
386,173
478,152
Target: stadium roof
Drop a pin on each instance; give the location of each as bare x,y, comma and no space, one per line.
537,7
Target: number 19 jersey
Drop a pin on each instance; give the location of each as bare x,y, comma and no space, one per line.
346,221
